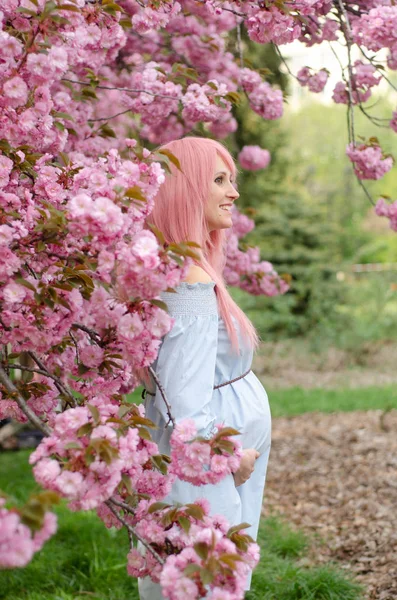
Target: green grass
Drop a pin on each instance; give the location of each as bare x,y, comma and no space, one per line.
295,401
84,560
280,576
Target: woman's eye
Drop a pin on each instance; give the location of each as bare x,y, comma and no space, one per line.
219,180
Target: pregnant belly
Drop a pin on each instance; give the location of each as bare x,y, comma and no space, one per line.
245,406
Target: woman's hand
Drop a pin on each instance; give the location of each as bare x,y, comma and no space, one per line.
246,467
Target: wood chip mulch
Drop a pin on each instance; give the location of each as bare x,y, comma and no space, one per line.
335,477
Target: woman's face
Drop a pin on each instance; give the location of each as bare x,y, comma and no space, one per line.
222,195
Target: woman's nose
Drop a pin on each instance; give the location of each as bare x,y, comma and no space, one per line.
232,192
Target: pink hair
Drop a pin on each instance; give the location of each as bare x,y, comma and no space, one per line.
179,214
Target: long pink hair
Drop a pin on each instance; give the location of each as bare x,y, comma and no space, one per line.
179,214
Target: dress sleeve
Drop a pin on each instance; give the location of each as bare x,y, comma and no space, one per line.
186,361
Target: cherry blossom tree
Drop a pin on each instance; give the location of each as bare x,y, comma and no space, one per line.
89,87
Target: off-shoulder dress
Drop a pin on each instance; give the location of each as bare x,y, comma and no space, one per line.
194,357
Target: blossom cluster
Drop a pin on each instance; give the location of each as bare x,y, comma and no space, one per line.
253,158
90,450
314,81
369,160
383,209
362,80
18,541
192,544
200,461
245,269
264,99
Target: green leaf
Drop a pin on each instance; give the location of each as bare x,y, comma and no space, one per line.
206,576
144,434
82,369
25,283
194,510
127,482
172,158
191,569
160,304
159,235
70,7
89,93
201,550
63,115
237,528
230,559
233,97
227,431
158,506
72,446
106,131
136,193
84,430
94,412
184,523
59,125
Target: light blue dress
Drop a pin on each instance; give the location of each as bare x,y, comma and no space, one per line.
195,356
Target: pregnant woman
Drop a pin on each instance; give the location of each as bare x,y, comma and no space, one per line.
204,362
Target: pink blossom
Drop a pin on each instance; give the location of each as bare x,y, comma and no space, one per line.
16,90
136,562
272,25
146,248
129,326
69,483
92,356
314,81
383,209
369,161
6,166
13,293
80,206
254,158
6,234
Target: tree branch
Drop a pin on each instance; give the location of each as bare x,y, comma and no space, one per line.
91,332
121,89
11,389
75,345
163,395
58,383
131,530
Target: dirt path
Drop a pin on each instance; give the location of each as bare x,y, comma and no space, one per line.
335,477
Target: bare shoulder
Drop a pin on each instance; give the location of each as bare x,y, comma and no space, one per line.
197,275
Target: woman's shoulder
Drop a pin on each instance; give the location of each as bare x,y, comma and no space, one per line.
197,274
194,296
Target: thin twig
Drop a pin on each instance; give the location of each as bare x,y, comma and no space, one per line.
381,72
347,32
277,49
163,395
75,345
121,89
58,383
239,44
374,120
132,531
29,369
366,191
91,332
346,29
123,112
11,389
